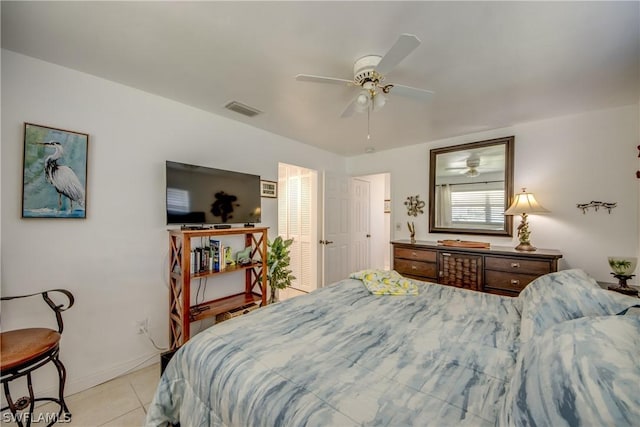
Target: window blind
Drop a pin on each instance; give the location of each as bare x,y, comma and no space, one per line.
481,206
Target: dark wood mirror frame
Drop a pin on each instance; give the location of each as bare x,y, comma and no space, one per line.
508,143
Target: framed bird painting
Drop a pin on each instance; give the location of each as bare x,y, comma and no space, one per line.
54,173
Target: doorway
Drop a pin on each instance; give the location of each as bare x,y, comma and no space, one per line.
378,242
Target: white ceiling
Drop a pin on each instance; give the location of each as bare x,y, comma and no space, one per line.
491,64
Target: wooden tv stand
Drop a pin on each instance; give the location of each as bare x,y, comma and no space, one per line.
181,312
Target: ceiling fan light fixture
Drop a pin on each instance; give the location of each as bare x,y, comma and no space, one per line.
378,101
362,101
472,173
363,98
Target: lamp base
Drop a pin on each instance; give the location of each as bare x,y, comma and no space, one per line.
525,246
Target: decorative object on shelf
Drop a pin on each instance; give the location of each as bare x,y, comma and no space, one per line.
54,173
414,205
412,231
596,206
387,206
621,268
464,244
269,189
524,204
278,273
243,257
228,258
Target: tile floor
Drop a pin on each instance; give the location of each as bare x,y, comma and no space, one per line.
121,402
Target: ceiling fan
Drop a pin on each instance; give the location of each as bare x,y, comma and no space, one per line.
369,74
471,170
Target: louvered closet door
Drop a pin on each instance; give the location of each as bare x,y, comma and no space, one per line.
297,219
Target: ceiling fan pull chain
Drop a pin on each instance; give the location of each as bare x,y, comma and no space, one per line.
369,121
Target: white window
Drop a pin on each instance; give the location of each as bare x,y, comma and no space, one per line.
469,207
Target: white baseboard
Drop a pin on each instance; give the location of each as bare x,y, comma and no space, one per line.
80,384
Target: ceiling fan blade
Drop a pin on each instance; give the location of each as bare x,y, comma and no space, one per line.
405,44
412,92
351,108
321,79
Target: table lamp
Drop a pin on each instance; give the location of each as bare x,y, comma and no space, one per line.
524,204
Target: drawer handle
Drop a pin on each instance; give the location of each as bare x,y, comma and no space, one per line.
413,267
515,282
414,254
446,254
515,265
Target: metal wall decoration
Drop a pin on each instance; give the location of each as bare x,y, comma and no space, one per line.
414,205
596,206
54,173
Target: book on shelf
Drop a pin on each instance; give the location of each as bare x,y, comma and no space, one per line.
215,254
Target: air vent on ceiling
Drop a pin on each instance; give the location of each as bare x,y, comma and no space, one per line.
242,109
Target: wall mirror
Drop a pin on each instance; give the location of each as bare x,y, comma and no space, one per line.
470,187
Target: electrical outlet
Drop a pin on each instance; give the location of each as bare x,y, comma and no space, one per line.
142,326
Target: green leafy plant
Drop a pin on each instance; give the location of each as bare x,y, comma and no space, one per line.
278,272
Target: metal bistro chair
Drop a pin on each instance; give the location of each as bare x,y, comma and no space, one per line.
25,350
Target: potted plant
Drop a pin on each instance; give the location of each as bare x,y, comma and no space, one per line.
278,272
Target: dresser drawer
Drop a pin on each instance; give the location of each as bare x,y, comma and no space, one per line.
416,254
516,265
507,281
421,269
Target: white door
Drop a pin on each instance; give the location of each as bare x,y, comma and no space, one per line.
297,217
360,225
334,241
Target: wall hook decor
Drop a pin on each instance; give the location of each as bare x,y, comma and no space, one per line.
414,205
596,206
638,172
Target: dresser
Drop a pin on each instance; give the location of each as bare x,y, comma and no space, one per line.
498,270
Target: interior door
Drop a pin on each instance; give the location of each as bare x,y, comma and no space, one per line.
334,242
360,225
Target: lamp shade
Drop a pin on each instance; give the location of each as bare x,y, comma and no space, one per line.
525,203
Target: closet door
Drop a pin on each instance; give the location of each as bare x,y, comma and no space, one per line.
297,216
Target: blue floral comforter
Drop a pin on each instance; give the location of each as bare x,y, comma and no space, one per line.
561,354
343,357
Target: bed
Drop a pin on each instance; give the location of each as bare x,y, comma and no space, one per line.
559,354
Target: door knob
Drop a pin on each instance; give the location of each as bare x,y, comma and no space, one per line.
368,235
328,242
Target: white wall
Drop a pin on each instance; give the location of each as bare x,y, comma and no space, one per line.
563,161
115,261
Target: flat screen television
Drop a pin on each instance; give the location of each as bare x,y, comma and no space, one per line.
202,195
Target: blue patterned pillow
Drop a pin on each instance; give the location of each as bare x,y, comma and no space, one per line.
565,295
583,372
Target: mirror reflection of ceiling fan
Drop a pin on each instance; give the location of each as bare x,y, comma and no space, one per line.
369,75
471,170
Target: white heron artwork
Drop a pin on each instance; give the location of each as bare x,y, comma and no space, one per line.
55,171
